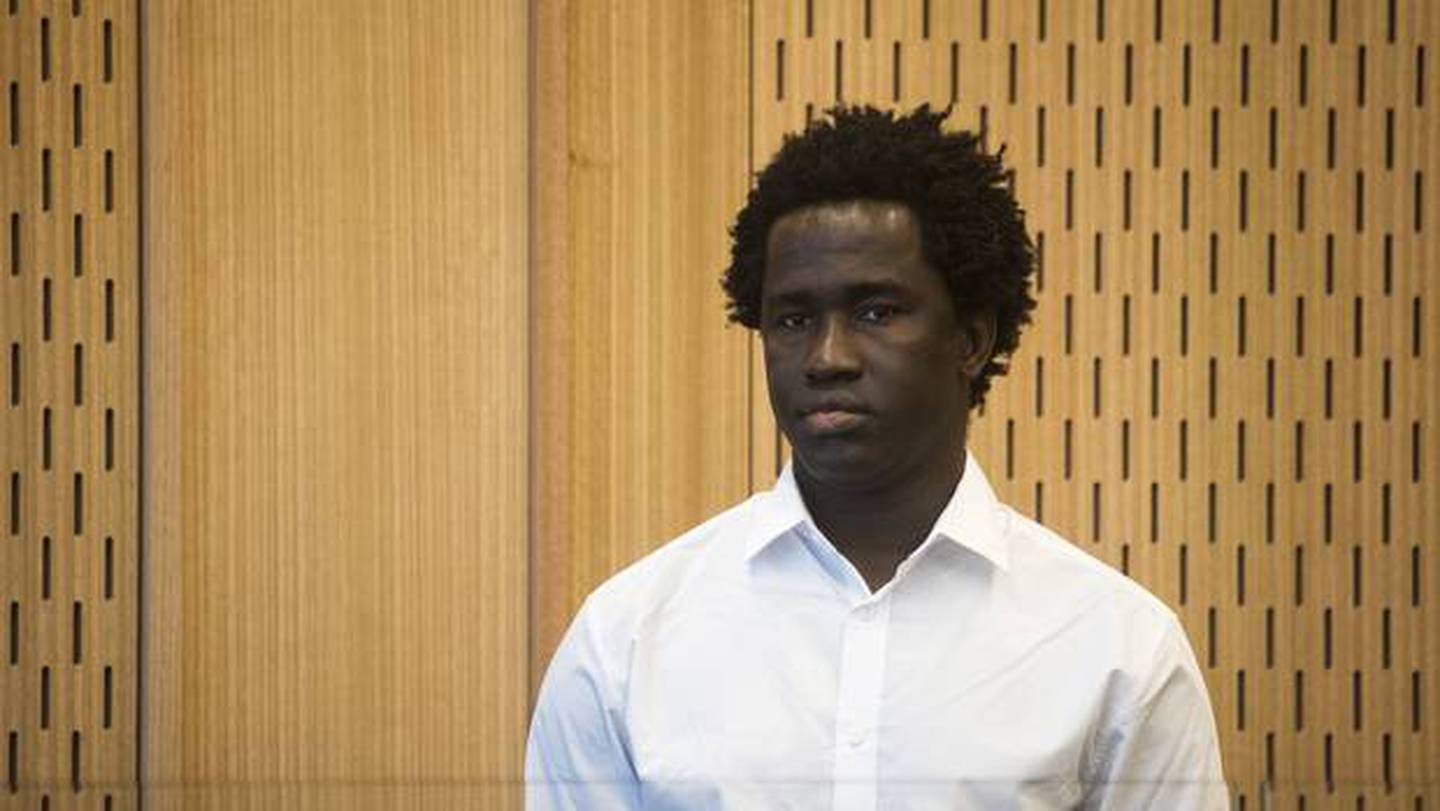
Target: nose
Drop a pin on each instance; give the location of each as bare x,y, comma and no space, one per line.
833,354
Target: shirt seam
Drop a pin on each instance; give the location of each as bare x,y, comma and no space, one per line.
1102,755
614,702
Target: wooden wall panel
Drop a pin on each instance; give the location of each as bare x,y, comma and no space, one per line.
69,331
643,400
336,443
1227,393
1228,390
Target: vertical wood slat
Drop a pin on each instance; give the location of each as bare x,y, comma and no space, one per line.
643,393
1182,488
336,242
69,554
986,79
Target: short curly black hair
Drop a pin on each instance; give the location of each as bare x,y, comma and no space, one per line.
971,227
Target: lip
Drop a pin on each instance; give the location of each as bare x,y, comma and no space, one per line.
836,402
834,421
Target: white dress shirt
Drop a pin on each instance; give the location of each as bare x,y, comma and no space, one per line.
747,665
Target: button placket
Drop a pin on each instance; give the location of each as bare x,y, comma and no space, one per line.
857,710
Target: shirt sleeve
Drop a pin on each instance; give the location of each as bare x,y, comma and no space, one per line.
1165,752
577,755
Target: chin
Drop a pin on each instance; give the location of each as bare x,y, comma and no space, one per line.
837,464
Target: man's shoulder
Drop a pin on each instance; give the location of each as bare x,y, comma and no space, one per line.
1074,579
657,577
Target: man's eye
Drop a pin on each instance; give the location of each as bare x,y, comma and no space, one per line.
792,321
876,313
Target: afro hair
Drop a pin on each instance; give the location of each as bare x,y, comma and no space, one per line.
972,229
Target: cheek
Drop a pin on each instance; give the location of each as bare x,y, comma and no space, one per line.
776,374
772,362
919,357
931,380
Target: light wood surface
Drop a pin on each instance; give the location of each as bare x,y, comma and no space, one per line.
642,419
434,343
336,478
69,334
1225,432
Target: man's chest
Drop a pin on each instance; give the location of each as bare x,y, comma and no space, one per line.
805,698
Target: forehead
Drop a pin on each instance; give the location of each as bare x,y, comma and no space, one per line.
855,225
855,244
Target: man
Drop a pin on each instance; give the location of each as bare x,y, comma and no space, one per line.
877,631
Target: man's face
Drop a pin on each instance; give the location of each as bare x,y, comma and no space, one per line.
867,362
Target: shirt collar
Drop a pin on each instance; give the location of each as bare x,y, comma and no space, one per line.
973,518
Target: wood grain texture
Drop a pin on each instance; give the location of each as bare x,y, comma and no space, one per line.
643,393
381,373
336,350
69,330
1228,387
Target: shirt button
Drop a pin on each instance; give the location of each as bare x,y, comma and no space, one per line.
856,741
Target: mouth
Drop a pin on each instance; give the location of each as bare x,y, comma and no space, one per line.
832,421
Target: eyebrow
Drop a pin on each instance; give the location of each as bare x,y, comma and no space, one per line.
852,292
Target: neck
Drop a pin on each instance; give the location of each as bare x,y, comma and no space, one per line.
883,518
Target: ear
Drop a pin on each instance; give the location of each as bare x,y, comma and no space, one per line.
977,342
